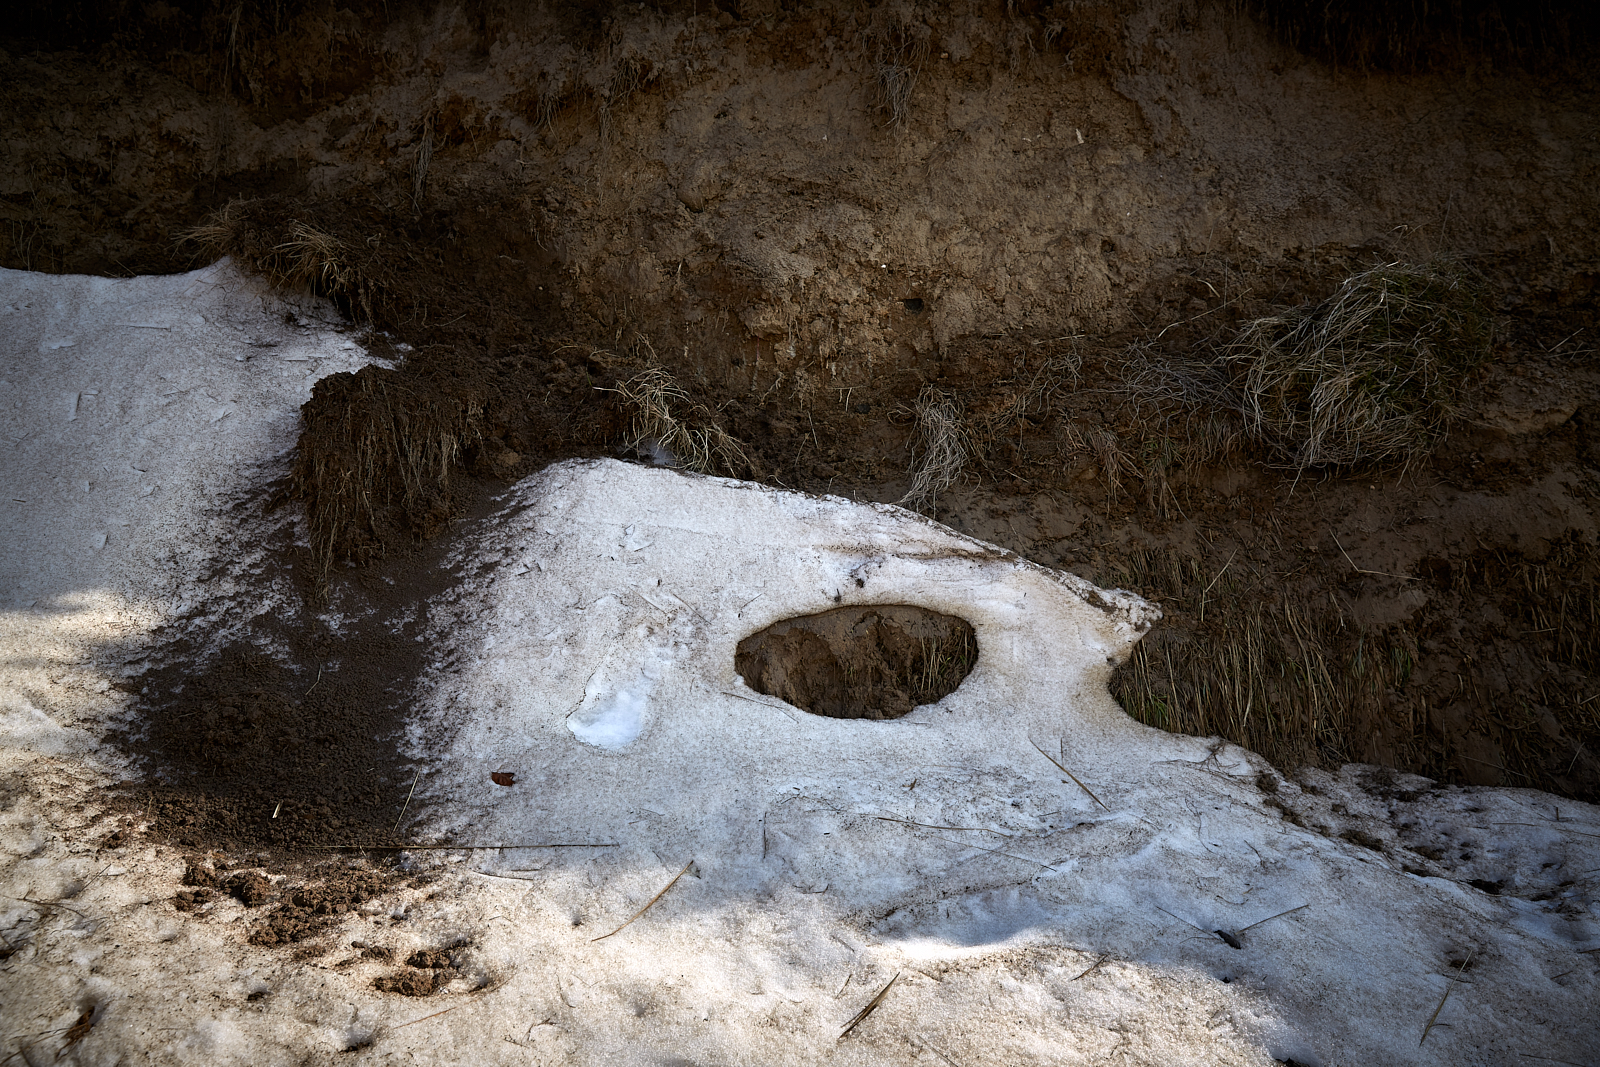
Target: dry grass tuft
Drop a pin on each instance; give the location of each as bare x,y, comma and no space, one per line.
376,458
419,166
1370,375
944,444
294,255
1278,677
667,423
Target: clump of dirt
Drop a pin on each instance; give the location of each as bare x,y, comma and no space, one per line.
413,983
313,906
377,462
428,970
192,900
250,888
860,663
207,883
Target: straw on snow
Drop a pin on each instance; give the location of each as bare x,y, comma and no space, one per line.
870,1008
1062,768
648,904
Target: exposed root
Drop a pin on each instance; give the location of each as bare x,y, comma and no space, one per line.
944,443
901,46
674,430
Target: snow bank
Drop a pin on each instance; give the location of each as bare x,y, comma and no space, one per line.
133,414
592,657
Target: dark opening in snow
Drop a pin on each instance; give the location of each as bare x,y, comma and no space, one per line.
860,663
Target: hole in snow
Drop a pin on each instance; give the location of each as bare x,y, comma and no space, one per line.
860,663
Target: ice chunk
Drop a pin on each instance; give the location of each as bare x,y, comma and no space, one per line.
614,722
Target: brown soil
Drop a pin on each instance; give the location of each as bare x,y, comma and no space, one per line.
318,903
860,663
809,214
312,898
412,983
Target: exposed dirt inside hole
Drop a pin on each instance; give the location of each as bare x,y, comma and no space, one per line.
860,663
530,207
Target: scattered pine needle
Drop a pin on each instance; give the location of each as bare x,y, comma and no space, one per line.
77,1031
648,904
1223,571
404,808
931,1047
1093,966
1069,774
931,826
969,844
468,848
425,1018
1269,918
1363,570
1447,991
870,1008
51,904
1181,919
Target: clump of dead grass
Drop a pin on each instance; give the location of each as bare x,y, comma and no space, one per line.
291,253
419,166
375,460
1270,673
664,418
943,446
1370,375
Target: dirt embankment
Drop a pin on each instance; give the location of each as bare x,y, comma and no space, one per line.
806,236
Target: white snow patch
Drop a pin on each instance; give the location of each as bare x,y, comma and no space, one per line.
90,552
818,852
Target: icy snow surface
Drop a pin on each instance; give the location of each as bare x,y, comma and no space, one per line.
593,657
1194,909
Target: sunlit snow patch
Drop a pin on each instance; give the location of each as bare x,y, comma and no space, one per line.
1023,830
